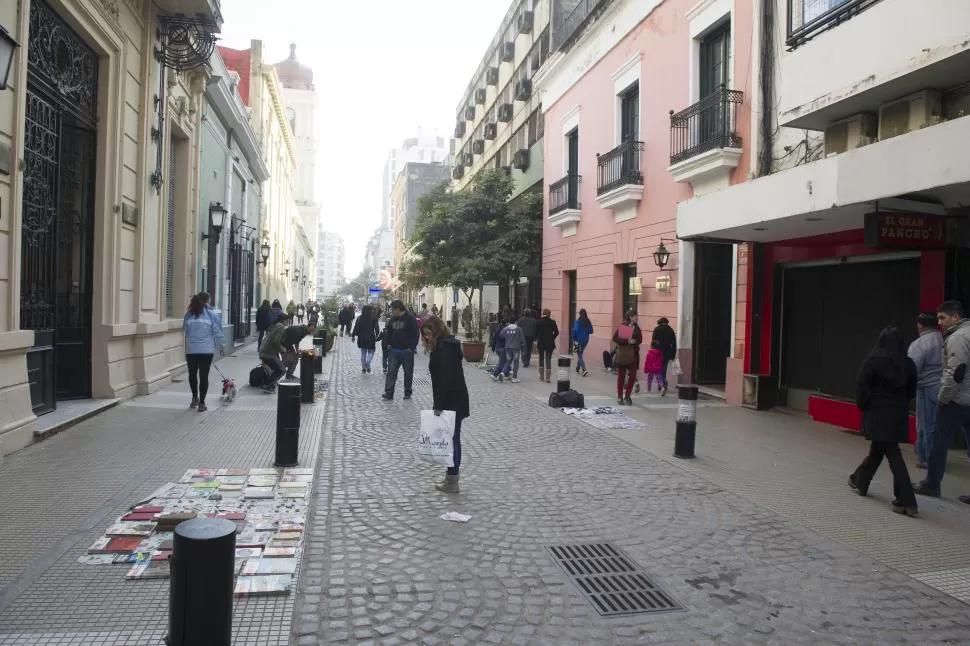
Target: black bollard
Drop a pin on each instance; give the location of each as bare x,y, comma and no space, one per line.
562,379
287,424
686,421
203,566
323,343
306,378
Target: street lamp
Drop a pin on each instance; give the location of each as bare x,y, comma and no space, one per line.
217,219
661,256
286,268
264,253
296,275
7,47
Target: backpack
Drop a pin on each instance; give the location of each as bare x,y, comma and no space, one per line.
567,399
258,377
625,356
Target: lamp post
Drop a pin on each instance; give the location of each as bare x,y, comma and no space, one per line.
661,256
263,253
7,47
286,268
217,219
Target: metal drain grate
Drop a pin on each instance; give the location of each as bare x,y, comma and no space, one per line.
611,581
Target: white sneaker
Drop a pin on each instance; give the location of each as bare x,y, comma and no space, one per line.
515,380
496,378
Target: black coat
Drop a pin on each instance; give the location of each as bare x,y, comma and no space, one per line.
664,335
546,333
448,377
262,319
366,334
883,394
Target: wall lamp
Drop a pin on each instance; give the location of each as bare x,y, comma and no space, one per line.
286,268
217,219
661,256
264,253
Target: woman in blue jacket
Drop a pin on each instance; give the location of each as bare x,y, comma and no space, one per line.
203,334
582,329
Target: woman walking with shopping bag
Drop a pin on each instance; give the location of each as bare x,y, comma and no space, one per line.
447,386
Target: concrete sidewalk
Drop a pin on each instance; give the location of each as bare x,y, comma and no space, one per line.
61,494
784,461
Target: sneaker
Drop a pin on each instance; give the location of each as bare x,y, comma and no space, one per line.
363,371
515,380
663,391
853,485
407,395
387,397
912,512
924,489
619,401
496,378
585,372
629,402
636,387
965,499
195,402
202,407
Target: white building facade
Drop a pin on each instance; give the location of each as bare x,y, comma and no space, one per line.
330,264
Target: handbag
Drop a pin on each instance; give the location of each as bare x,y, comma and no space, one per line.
435,438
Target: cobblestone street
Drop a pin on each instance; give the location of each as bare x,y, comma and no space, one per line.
381,567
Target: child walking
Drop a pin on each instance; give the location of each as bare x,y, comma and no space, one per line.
653,366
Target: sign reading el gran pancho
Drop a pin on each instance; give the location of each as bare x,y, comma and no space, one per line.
904,230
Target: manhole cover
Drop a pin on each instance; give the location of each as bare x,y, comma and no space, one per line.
611,581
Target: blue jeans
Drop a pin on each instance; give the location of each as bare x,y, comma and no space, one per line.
396,359
512,363
949,421
456,448
927,402
366,356
580,361
500,368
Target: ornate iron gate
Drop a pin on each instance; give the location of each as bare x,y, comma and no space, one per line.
240,291
58,207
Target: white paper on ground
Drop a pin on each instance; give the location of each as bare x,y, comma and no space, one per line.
455,517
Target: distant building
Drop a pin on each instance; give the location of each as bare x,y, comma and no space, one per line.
330,264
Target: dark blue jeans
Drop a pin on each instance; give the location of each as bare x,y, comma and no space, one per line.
949,421
456,448
396,359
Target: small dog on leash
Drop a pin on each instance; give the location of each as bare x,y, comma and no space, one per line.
228,389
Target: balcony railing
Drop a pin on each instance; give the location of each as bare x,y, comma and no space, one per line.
564,194
709,124
809,18
619,167
569,17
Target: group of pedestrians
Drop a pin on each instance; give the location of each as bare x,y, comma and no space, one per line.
933,370
513,338
279,340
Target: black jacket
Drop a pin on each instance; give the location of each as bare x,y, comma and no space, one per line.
448,377
366,334
546,333
664,335
883,390
401,332
345,316
293,335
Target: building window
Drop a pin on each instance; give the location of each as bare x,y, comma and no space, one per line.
630,114
572,153
715,60
809,18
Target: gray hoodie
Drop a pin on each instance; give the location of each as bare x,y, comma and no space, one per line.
514,337
956,354
927,353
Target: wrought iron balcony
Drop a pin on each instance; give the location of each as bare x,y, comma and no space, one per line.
207,11
564,194
570,16
709,124
809,18
619,167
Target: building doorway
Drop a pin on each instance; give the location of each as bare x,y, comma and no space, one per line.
571,307
57,241
630,298
713,277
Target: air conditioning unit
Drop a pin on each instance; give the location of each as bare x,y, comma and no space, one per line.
478,146
505,112
635,286
850,133
470,113
458,172
460,129
491,130
467,159
491,76
480,95
523,89
526,22
909,113
508,52
521,159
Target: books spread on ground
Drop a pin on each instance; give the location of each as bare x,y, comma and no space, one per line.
268,507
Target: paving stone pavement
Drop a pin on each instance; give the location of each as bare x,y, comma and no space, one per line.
61,494
381,568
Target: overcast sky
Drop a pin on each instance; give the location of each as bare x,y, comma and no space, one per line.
383,69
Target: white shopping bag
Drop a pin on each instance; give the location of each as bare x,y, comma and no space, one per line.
675,366
434,440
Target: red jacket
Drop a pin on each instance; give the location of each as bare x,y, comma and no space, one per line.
654,361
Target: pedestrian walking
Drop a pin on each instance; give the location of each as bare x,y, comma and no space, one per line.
528,324
954,396
276,311
269,351
290,309
402,340
886,384
300,313
448,388
627,338
262,321
366,331
927,354
498,347
664,335
635,324
514,341
203,334
582,329
653,366
345,318
546,334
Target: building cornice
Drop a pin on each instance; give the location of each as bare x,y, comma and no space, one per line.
276,96
238,123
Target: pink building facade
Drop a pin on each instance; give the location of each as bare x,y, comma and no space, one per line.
641,112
